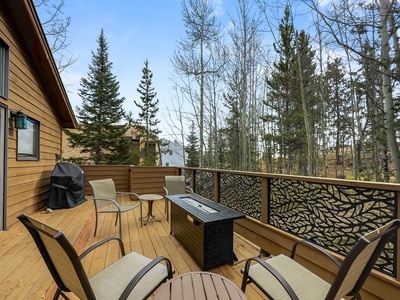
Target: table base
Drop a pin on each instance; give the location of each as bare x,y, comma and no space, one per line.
150,198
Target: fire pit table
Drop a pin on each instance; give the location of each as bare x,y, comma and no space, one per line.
204,228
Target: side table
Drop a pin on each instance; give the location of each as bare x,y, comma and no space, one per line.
150,198
199,286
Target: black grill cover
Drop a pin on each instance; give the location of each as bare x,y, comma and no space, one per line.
67,186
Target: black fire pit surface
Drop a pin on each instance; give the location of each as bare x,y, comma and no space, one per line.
204,228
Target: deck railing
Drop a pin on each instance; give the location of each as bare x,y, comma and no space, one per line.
331,213
282,209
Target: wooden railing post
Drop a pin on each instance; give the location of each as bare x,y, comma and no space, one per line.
265,199
216,186
193,183
398,238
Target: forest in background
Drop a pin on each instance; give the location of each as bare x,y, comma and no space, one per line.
293,87
302,87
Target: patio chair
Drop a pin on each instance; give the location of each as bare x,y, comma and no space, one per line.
106,201
132,276
174,184
282,277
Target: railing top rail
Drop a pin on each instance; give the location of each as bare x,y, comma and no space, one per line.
320,180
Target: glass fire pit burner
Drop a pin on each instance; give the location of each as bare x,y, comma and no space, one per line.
200,205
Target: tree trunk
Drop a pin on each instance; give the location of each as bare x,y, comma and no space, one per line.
387,91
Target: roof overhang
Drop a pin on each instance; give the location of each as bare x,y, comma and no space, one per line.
23,16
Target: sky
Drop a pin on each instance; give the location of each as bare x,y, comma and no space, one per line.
135,31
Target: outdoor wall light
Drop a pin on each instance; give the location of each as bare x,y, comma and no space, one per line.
20,119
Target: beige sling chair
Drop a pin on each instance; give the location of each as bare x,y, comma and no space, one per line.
283,278
132,276
106,201
174,185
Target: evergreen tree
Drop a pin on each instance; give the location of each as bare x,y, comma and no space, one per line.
305,105
231,130
338,95
283,88
192,150
100,134
147,122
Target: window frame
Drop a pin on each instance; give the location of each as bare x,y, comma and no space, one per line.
34,142
4,69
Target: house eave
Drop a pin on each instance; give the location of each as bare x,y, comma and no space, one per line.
22,14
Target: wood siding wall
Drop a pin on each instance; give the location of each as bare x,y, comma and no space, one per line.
28,181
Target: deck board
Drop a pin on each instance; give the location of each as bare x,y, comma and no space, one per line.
24,275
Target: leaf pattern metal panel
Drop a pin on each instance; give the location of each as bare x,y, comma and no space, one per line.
242,193
205,184
188,176
332,216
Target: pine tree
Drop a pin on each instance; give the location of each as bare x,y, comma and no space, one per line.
147,122
192,150
283,90
100,134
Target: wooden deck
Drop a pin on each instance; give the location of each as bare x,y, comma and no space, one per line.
24,275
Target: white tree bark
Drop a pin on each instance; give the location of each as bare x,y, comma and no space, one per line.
387,89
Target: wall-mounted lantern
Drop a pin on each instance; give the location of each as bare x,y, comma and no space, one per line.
20,119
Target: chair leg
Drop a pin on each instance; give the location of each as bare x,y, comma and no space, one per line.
95,226
116,219
120,224
167,208
245,279
141,215
57,294
244,283
60,293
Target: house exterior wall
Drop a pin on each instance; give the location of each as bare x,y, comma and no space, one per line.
172,154
28,180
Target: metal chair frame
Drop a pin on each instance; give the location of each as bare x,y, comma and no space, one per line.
363,249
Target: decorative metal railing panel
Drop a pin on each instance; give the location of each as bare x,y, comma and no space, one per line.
205,184
242,193
188,176
333,216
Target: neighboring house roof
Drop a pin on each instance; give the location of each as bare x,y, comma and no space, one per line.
25,21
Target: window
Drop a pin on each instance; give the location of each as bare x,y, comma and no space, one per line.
4,69
28,142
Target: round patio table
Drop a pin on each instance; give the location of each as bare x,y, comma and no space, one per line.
150,198
199,286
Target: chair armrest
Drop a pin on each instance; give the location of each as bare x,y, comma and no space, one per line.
189,189
102,242
110,200
316,247
130,193
165,189
125,294
271,270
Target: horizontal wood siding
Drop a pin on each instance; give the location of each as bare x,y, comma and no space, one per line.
28,181
150,180
119,174
141,180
